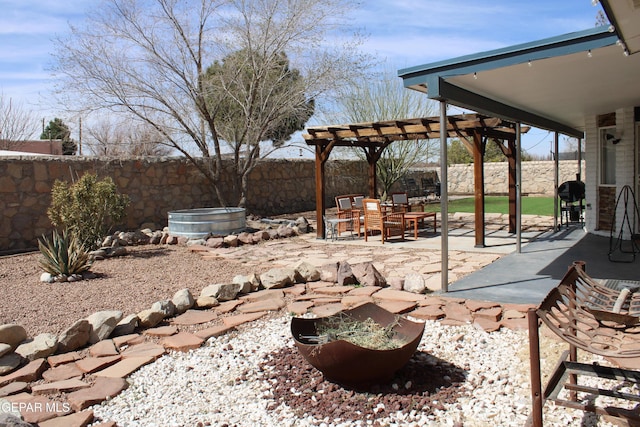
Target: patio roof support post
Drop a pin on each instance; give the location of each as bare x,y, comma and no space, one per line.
372,159
518,188
322,154
444,197
478,186
556,179
511,162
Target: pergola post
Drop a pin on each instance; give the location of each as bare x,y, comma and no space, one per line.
320,205
518,188
478,187
556,180
511,161
444,198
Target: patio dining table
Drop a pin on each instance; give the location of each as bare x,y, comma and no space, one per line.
418,217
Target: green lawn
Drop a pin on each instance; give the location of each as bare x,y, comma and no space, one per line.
499,204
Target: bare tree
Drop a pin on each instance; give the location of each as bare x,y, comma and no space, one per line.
385,98
17,124
148,58
124,138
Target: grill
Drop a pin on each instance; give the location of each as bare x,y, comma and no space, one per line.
571,194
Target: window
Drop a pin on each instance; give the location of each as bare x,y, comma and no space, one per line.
607,156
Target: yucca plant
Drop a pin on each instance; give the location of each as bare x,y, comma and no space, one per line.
64,254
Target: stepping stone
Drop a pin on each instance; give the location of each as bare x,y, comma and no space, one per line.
487,324
431,312
296,290
519,307
513,314
393,294
36,409
327,309
451,322
14,388
60,359
299,307
364,290
228,306
147,349
72,384
92,364
492,314
184,341
103,348
239,319
264,294
78,419
125,367
516,324
102,389
62,372
397,307
455,311
334,290
130,339
31,372
198,249
214,331
326,300
351,301
162,331
194,317
258,306
474,305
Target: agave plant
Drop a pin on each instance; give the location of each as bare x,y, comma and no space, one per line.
63,255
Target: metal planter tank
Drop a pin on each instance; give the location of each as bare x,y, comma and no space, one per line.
201,222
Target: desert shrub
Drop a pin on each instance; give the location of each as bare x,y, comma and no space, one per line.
63,255
87,208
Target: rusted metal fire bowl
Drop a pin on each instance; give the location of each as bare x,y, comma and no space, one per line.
345,363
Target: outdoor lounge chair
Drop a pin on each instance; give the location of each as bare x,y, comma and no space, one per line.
603,320
346,210
375,220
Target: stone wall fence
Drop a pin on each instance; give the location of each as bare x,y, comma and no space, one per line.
159,185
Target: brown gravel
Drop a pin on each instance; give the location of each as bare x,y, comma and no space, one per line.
129,283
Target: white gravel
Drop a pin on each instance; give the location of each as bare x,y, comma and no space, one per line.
202,387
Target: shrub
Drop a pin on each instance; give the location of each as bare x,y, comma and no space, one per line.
87,209
63,255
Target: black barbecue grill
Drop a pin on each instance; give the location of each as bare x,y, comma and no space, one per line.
571,194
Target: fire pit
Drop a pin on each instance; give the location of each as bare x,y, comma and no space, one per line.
341,361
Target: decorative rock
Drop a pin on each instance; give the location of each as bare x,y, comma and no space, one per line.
204,301
222,291
184,341
345,275
13,388
415,283
92,364
40,346
12,334
329,272
150,318
77,419
36,409
167,307
62,372
7,408
127,340
124,367
126,326
368,275
182,300
102,324
215,242
46,277
4,349
260,236
278,278
9,363
103,348
12,420
30,372
308,272
302,225
103,388
75,336
492,314
194,317
162,331
231,240
247,284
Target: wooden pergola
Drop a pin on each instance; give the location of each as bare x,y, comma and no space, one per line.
474,130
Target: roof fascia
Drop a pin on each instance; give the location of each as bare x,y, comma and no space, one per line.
565,44
442,90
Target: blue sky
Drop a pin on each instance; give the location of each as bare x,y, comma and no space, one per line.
405,32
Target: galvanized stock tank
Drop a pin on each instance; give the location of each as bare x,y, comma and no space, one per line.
198,223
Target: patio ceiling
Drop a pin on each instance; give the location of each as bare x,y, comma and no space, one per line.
551,84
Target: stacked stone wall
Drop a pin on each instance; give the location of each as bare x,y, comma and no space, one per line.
159,185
